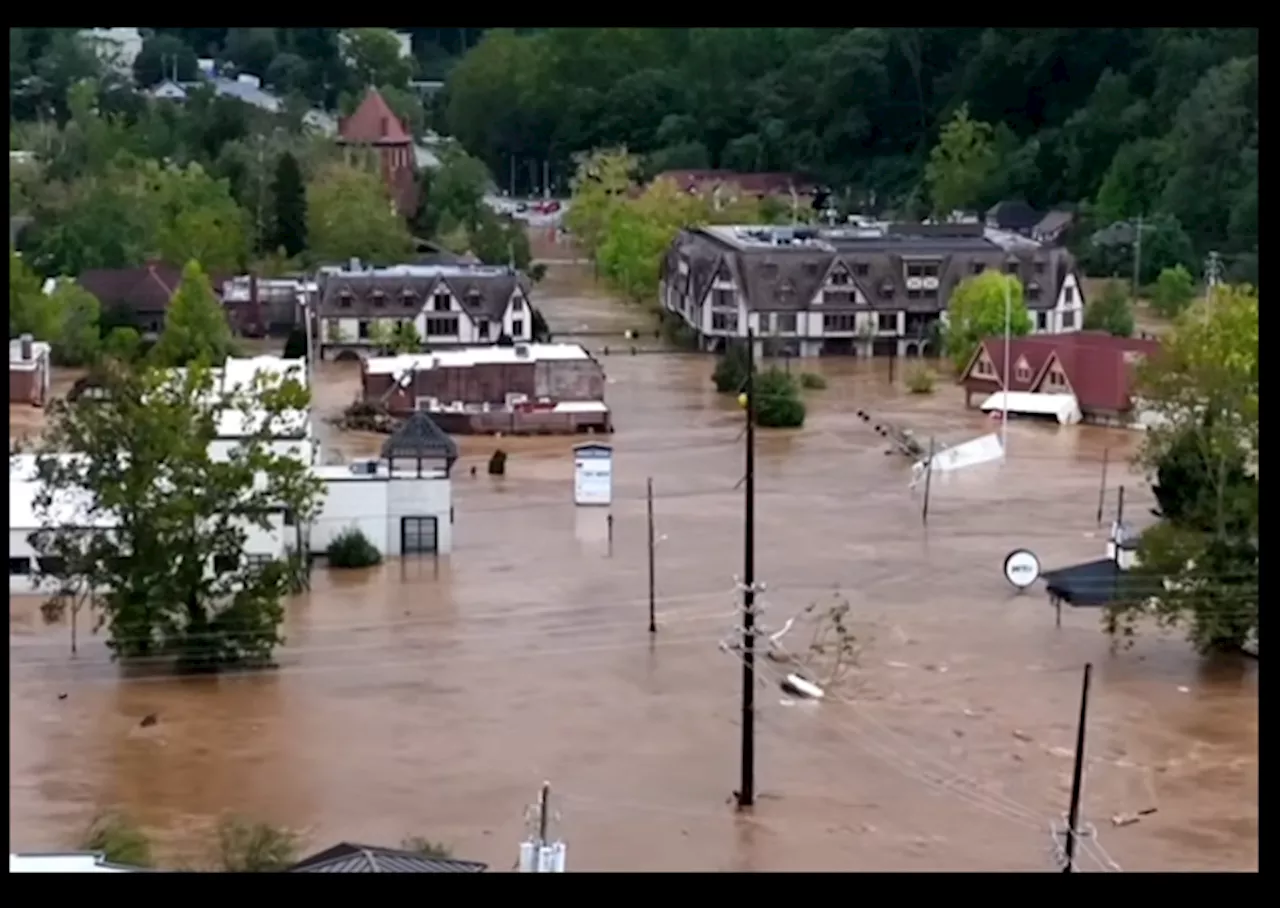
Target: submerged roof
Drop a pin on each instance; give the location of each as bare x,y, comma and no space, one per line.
348,857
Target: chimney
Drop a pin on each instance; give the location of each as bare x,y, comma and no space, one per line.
25,345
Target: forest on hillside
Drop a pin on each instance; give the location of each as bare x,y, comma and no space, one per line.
1116,122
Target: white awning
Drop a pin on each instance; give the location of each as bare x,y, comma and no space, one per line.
1063,407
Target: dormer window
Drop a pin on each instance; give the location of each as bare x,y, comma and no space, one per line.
839,277
345,298
977,267
517,303
379,298
861,269
408,298
442,301
1011,266
1033,291
886,289
473,297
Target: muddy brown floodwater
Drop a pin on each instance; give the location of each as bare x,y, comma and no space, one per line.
432,698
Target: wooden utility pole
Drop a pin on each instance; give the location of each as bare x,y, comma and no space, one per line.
653,623
1102,488
928,482
1077,775
747,785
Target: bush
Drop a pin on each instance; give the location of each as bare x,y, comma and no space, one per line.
921,380
731,369
426,848
498,463
352,549
296,345
245,847
1110,311
118,839
778,403
812,381
1175,289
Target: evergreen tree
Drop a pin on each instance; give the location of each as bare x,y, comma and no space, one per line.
290,228
195,327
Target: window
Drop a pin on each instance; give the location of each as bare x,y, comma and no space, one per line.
442,327
887,322
922,269
379,299
289,519
224,564
1033,291
861,269
1056,379
474,299
19,567
408,299
441,302
363,332
517,304
1069,320
1069,295
837,324
53,566
786,323
517,327
1042,321
983,368
1022,371
837,297
344,299
482,330
1011,267
724,321
417,535
1039,267
886,290
723,299
977,267
839,277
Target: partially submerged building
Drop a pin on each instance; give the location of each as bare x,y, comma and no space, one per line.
29,371
876,290
520,389
448,305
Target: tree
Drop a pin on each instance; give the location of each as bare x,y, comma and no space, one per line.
290,194
164,57
195,324
198,218
599,185
1202,557
373,55
778,401
349,215
249,847
118,839
252,49
76,340
961,164
1110,311
28,313
976,311
1175,289
168,567
730,374
427,848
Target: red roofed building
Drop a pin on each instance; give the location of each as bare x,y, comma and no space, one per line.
375,127
1094,366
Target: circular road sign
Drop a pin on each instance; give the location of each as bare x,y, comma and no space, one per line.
1021,568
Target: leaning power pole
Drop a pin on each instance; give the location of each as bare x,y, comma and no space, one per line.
747,785
1137,257
1077,777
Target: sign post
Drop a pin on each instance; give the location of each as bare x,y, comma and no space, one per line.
1021,568
592,474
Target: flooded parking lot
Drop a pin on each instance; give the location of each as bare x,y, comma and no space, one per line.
433,697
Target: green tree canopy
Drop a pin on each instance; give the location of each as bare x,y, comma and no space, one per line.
1110,311
350,215
374,55
1175,289
170,572
977,310
961,164
290,224
195,325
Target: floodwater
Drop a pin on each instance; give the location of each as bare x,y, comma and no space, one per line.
432,698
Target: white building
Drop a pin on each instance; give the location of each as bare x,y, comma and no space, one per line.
866,290
65,862
403,502
447,305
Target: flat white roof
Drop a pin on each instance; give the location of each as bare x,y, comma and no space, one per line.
38,348
238,374
72,862
70,508
473,356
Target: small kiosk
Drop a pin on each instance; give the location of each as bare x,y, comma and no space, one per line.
592,474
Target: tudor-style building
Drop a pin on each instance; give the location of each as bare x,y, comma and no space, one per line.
449,305
1094,367
859,291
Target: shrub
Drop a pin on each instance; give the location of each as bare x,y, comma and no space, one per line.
118,839
1110,311
731,369
812,381
245,847
1174,290
778,403
426,847
921,380
498,463
352,549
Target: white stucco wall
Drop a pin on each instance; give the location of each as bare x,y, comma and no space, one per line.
376,505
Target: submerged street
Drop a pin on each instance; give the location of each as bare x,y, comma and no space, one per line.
431,698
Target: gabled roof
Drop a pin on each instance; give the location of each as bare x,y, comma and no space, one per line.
419,438
1098,365
146,289
484,292
374,123
1013,215
348,857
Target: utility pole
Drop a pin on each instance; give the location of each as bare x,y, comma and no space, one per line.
511,182
653,543
537,855
1137,257
1212,275
546,178
1008,342
1077,775
747,785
